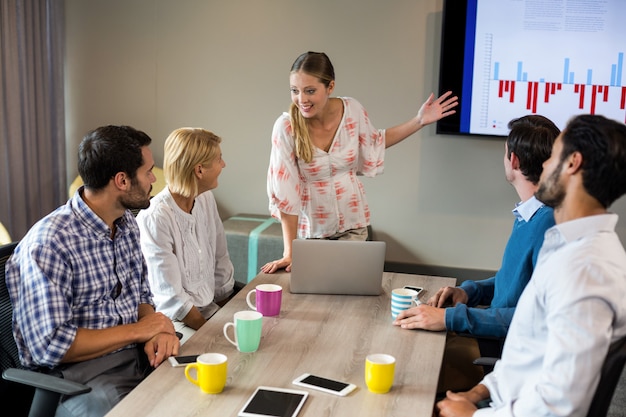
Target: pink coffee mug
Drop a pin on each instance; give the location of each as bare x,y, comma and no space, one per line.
268,298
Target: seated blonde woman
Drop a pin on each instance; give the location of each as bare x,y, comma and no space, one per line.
182,236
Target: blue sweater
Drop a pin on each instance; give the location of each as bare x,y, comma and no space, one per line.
501,292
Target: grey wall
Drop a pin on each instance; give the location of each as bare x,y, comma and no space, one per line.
223,65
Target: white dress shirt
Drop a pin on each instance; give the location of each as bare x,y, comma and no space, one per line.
568,315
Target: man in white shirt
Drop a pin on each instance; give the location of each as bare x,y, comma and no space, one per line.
572,309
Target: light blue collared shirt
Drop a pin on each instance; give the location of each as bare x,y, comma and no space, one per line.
526,209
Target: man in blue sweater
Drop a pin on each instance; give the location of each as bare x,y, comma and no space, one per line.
528,144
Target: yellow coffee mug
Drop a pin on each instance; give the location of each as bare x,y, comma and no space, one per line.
210,372
379,371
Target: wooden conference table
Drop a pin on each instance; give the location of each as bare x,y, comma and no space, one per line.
327,335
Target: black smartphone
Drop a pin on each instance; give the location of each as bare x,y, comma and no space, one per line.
330,386
418,289
182,360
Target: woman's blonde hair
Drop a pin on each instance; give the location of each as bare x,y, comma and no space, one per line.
316,64
186,148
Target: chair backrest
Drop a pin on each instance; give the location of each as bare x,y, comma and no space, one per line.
20,395
609,377
8,350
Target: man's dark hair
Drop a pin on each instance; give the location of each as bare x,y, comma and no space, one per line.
531,139
602,144
107,150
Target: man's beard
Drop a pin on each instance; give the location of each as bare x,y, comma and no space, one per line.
551,192
136,199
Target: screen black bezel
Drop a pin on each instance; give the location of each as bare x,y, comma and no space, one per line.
453,74
451,60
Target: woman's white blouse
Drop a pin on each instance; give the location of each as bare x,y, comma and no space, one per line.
187,255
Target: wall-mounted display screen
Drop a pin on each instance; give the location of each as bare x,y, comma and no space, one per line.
508,58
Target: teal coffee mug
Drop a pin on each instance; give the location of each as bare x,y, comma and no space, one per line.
247,327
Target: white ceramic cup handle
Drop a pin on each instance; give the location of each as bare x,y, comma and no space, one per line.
248,299
226,326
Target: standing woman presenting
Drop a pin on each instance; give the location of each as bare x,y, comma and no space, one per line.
320,147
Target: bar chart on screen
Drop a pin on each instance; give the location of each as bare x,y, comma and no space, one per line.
555,61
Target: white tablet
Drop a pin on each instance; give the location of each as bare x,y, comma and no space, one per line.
274,402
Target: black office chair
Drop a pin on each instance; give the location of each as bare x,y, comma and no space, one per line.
490,350
31,393
609,377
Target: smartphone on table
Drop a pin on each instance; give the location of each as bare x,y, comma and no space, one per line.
411,287
327,385
419,291
177,361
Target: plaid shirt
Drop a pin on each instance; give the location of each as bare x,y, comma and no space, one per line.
68,273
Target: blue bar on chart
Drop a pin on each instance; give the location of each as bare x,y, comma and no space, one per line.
566,73
616,71
521,75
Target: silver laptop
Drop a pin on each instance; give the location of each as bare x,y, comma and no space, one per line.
321,266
